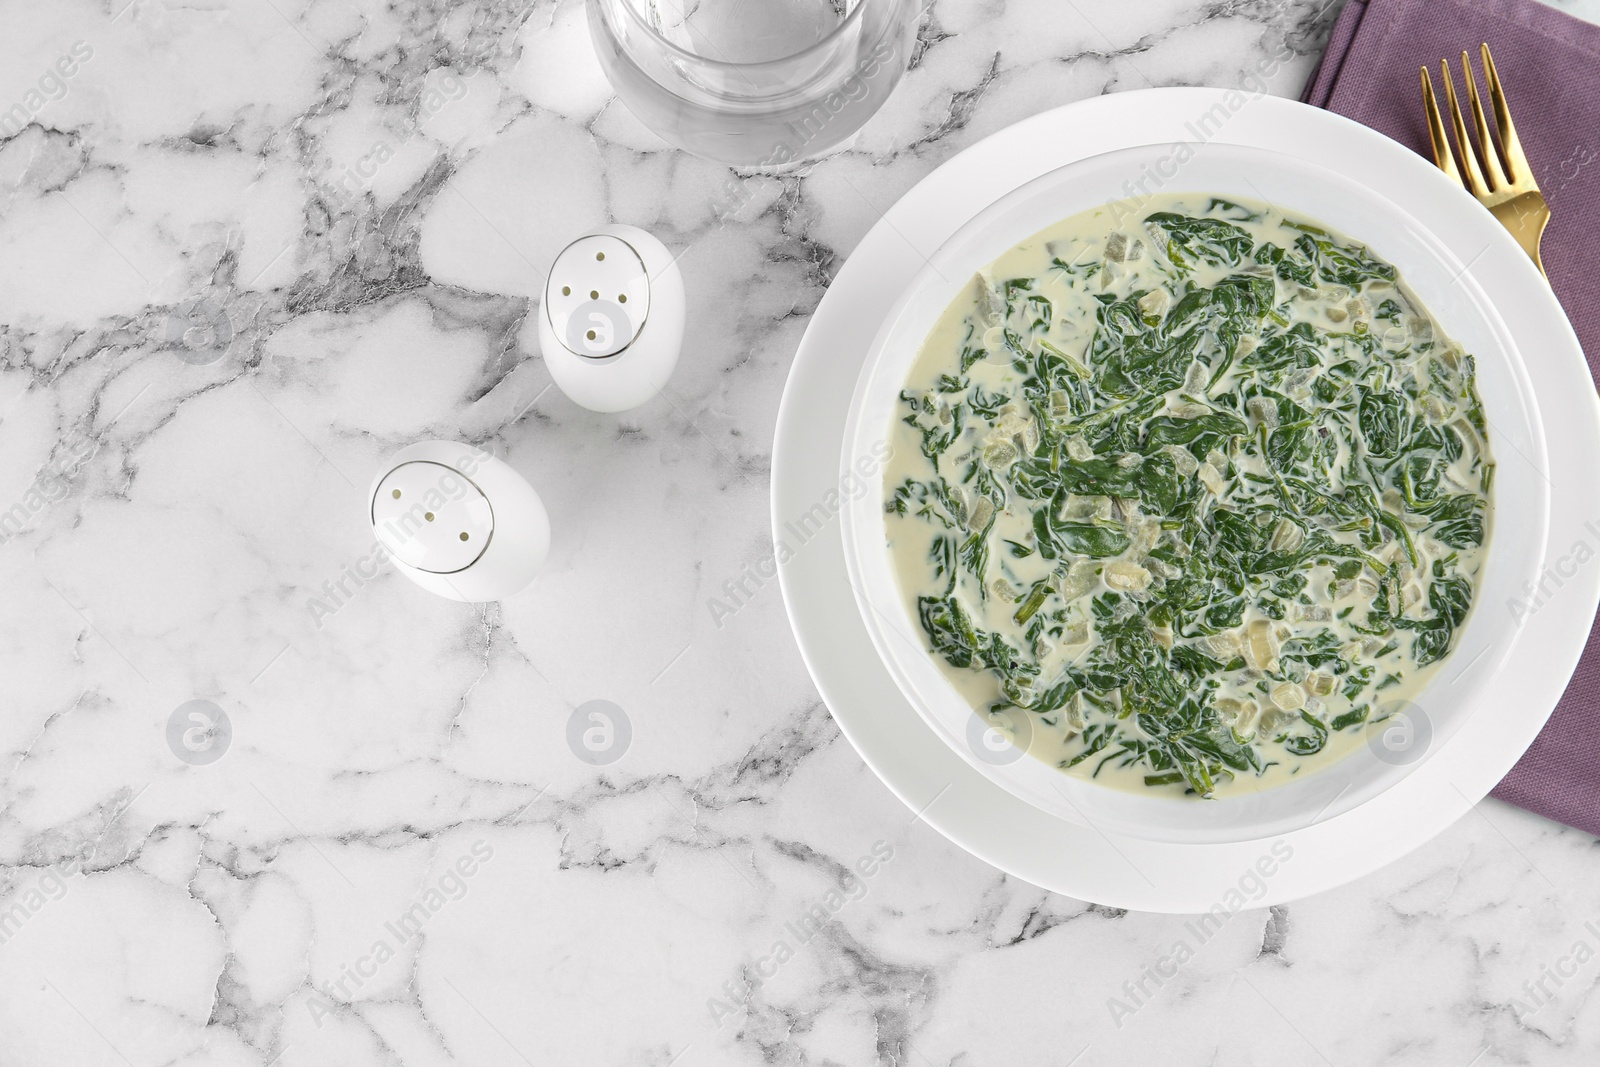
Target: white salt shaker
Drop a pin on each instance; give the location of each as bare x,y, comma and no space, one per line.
612,318
458,521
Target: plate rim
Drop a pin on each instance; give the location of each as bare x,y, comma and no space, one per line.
1517,562
1072,868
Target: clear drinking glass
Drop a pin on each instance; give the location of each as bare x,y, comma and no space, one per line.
754,82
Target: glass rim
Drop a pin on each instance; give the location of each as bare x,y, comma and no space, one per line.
724,64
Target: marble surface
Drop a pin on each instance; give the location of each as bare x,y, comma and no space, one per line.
250,247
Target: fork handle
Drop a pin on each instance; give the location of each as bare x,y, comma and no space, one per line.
1526,217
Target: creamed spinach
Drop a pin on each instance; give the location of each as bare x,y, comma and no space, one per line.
1199,488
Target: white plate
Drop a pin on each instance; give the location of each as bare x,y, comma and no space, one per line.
1083,860
1428,268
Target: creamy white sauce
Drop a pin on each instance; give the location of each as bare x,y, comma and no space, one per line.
1069,267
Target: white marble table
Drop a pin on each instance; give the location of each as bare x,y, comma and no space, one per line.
248,248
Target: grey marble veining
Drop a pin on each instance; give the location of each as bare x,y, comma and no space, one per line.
247,249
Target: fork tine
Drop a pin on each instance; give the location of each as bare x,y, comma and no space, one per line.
1491,158
1469,159
1517,168
1441,140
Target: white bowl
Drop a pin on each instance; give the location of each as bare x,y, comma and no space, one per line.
1520,515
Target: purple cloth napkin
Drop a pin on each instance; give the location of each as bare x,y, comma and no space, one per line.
1549,63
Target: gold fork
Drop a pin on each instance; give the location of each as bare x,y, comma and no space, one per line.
1510,193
